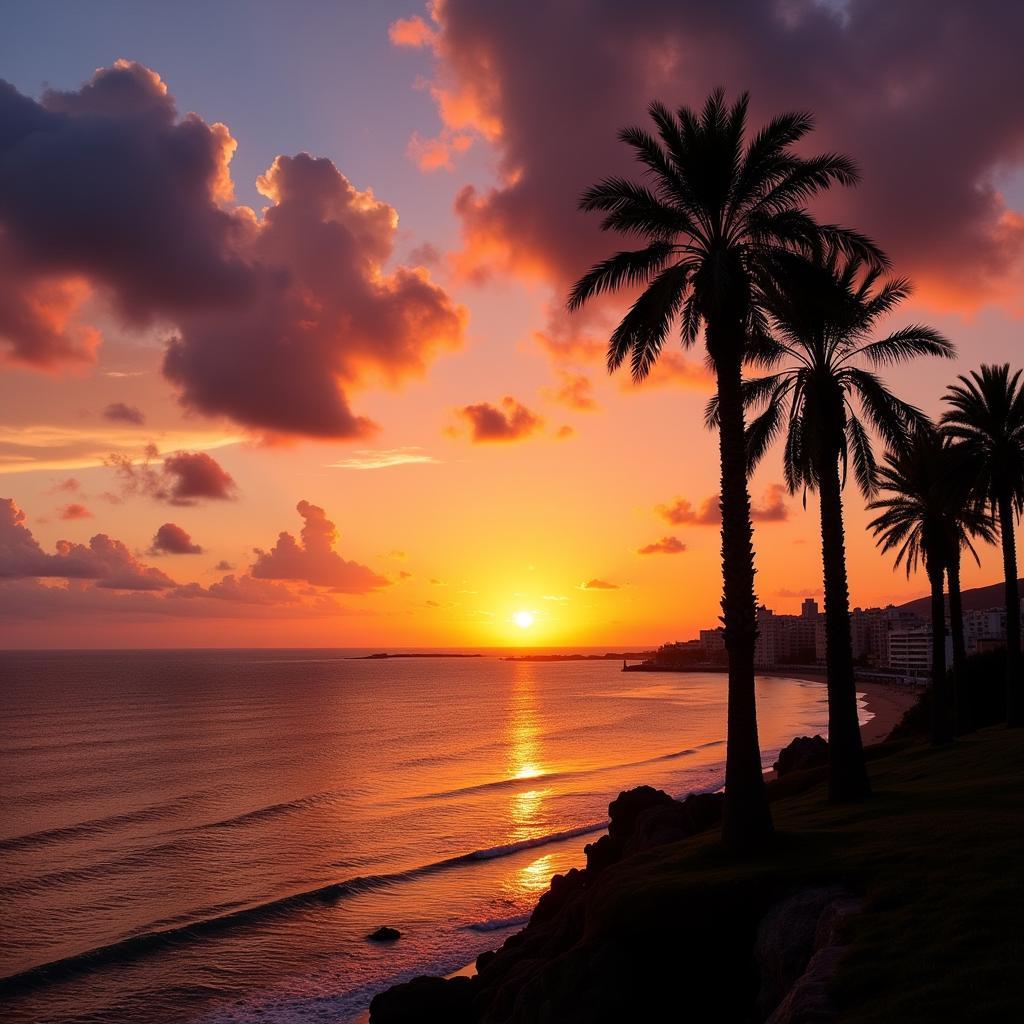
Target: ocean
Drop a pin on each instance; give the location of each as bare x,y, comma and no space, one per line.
211,835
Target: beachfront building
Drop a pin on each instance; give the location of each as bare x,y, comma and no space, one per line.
786,639
910,650
869,634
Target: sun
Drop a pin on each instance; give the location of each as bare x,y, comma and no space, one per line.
524,620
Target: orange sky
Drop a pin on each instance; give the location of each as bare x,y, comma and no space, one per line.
505,472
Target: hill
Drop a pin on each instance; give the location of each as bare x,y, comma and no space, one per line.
975,599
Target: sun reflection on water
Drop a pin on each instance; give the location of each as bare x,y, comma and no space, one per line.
522,732
535,876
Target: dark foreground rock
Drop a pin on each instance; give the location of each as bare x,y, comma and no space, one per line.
546,972
797,947
800,754
384,934
427,1001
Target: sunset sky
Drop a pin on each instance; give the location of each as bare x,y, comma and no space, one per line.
283,351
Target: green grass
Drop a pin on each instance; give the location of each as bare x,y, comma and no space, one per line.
938,855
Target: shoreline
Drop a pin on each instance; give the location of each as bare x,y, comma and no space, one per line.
887,704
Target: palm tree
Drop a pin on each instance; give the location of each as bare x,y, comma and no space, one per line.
823,399
924,519
718,216
987,415
970,525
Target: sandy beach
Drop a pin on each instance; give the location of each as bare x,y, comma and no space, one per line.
887,702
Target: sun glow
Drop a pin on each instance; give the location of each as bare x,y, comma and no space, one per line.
524,620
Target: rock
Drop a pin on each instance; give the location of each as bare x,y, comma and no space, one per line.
798,946
786,940
808,1001
624,810
425,1000
802,753
384,934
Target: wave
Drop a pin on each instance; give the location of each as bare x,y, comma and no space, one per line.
497,924
156,937
99,826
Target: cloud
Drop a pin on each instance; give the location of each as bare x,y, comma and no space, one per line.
183,478
30,447
771,509
118,412
511,421
384,458
276,317
313,559
682,513
598,584
223,566
105,561
74,510
172,539
933,146
437,153
574,390
69,486
665,546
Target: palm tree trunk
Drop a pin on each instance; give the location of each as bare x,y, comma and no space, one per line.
961,709
941,724
1014,683
848,776
747,821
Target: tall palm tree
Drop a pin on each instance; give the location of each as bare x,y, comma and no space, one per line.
971,524
924,518
987,414
822,396
718,214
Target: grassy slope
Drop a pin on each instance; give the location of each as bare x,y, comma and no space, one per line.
938,855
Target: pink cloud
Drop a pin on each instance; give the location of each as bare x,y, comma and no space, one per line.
312,558
105,561
171,539
119,412
278,318
574,390
183,478
508,421
772,508
920,94
665,546
74,510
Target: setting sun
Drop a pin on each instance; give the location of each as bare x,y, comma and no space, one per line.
524,620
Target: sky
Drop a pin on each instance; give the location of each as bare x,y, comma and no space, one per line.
284,356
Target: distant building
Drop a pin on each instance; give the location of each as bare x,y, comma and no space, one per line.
712,642
984,630
786,639
869,634
910,650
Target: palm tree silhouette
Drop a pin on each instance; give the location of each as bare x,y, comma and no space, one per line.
925,518
971,524
822,400
718,217
987,415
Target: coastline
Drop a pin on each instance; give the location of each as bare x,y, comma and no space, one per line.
887,704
